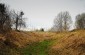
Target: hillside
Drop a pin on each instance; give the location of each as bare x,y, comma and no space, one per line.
43,43
72,43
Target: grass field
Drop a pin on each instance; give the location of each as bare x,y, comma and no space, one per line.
43,43
38,48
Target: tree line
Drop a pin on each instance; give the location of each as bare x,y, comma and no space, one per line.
63,22
10,19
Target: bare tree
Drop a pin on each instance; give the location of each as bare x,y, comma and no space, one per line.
18,20
66,21
5,20
21,21
58,22
62,22
80,21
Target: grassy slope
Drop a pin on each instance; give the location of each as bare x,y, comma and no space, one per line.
42,47
72,43
44,43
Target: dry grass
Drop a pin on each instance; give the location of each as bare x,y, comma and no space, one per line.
72,43
20,39
65,43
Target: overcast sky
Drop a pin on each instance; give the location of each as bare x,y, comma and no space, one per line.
41,13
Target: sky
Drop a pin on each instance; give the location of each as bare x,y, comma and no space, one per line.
41,13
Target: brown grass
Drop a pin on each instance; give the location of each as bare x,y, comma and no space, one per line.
20,39
72,43
66,43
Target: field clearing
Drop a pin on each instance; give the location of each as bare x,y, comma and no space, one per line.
43,43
